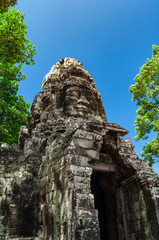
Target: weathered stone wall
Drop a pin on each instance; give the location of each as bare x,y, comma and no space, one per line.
139,197
72,176
66,202
17,194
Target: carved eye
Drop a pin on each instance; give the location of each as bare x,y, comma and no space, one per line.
74,94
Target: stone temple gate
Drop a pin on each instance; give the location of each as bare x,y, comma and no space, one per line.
72,176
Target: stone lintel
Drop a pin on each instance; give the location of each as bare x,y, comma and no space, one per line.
116,128
103,167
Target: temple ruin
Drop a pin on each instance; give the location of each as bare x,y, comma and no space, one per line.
72,176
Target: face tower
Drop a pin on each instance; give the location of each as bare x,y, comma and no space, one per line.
72,176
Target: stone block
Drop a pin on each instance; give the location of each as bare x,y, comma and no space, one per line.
89,233
84,143
77,160
103,167
84,200
84,134
81,183
92,154
80,171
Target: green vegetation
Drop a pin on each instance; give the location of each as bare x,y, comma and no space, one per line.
145,92
5,4
15,50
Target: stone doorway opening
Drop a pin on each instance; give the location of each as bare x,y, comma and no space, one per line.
103,189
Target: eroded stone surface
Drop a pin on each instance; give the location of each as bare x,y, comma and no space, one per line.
72,177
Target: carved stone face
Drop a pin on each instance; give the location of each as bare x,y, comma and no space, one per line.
73,89
79,101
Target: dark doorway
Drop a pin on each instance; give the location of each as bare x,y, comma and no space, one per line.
99,200
102,187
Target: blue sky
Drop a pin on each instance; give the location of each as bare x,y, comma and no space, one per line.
111,38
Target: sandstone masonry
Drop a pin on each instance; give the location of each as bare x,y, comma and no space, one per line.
72,176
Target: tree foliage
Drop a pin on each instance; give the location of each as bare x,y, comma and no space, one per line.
145,92
13,108
15,50
5,4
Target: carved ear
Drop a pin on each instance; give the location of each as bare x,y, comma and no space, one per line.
24,134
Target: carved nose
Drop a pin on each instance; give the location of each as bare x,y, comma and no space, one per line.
83,100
